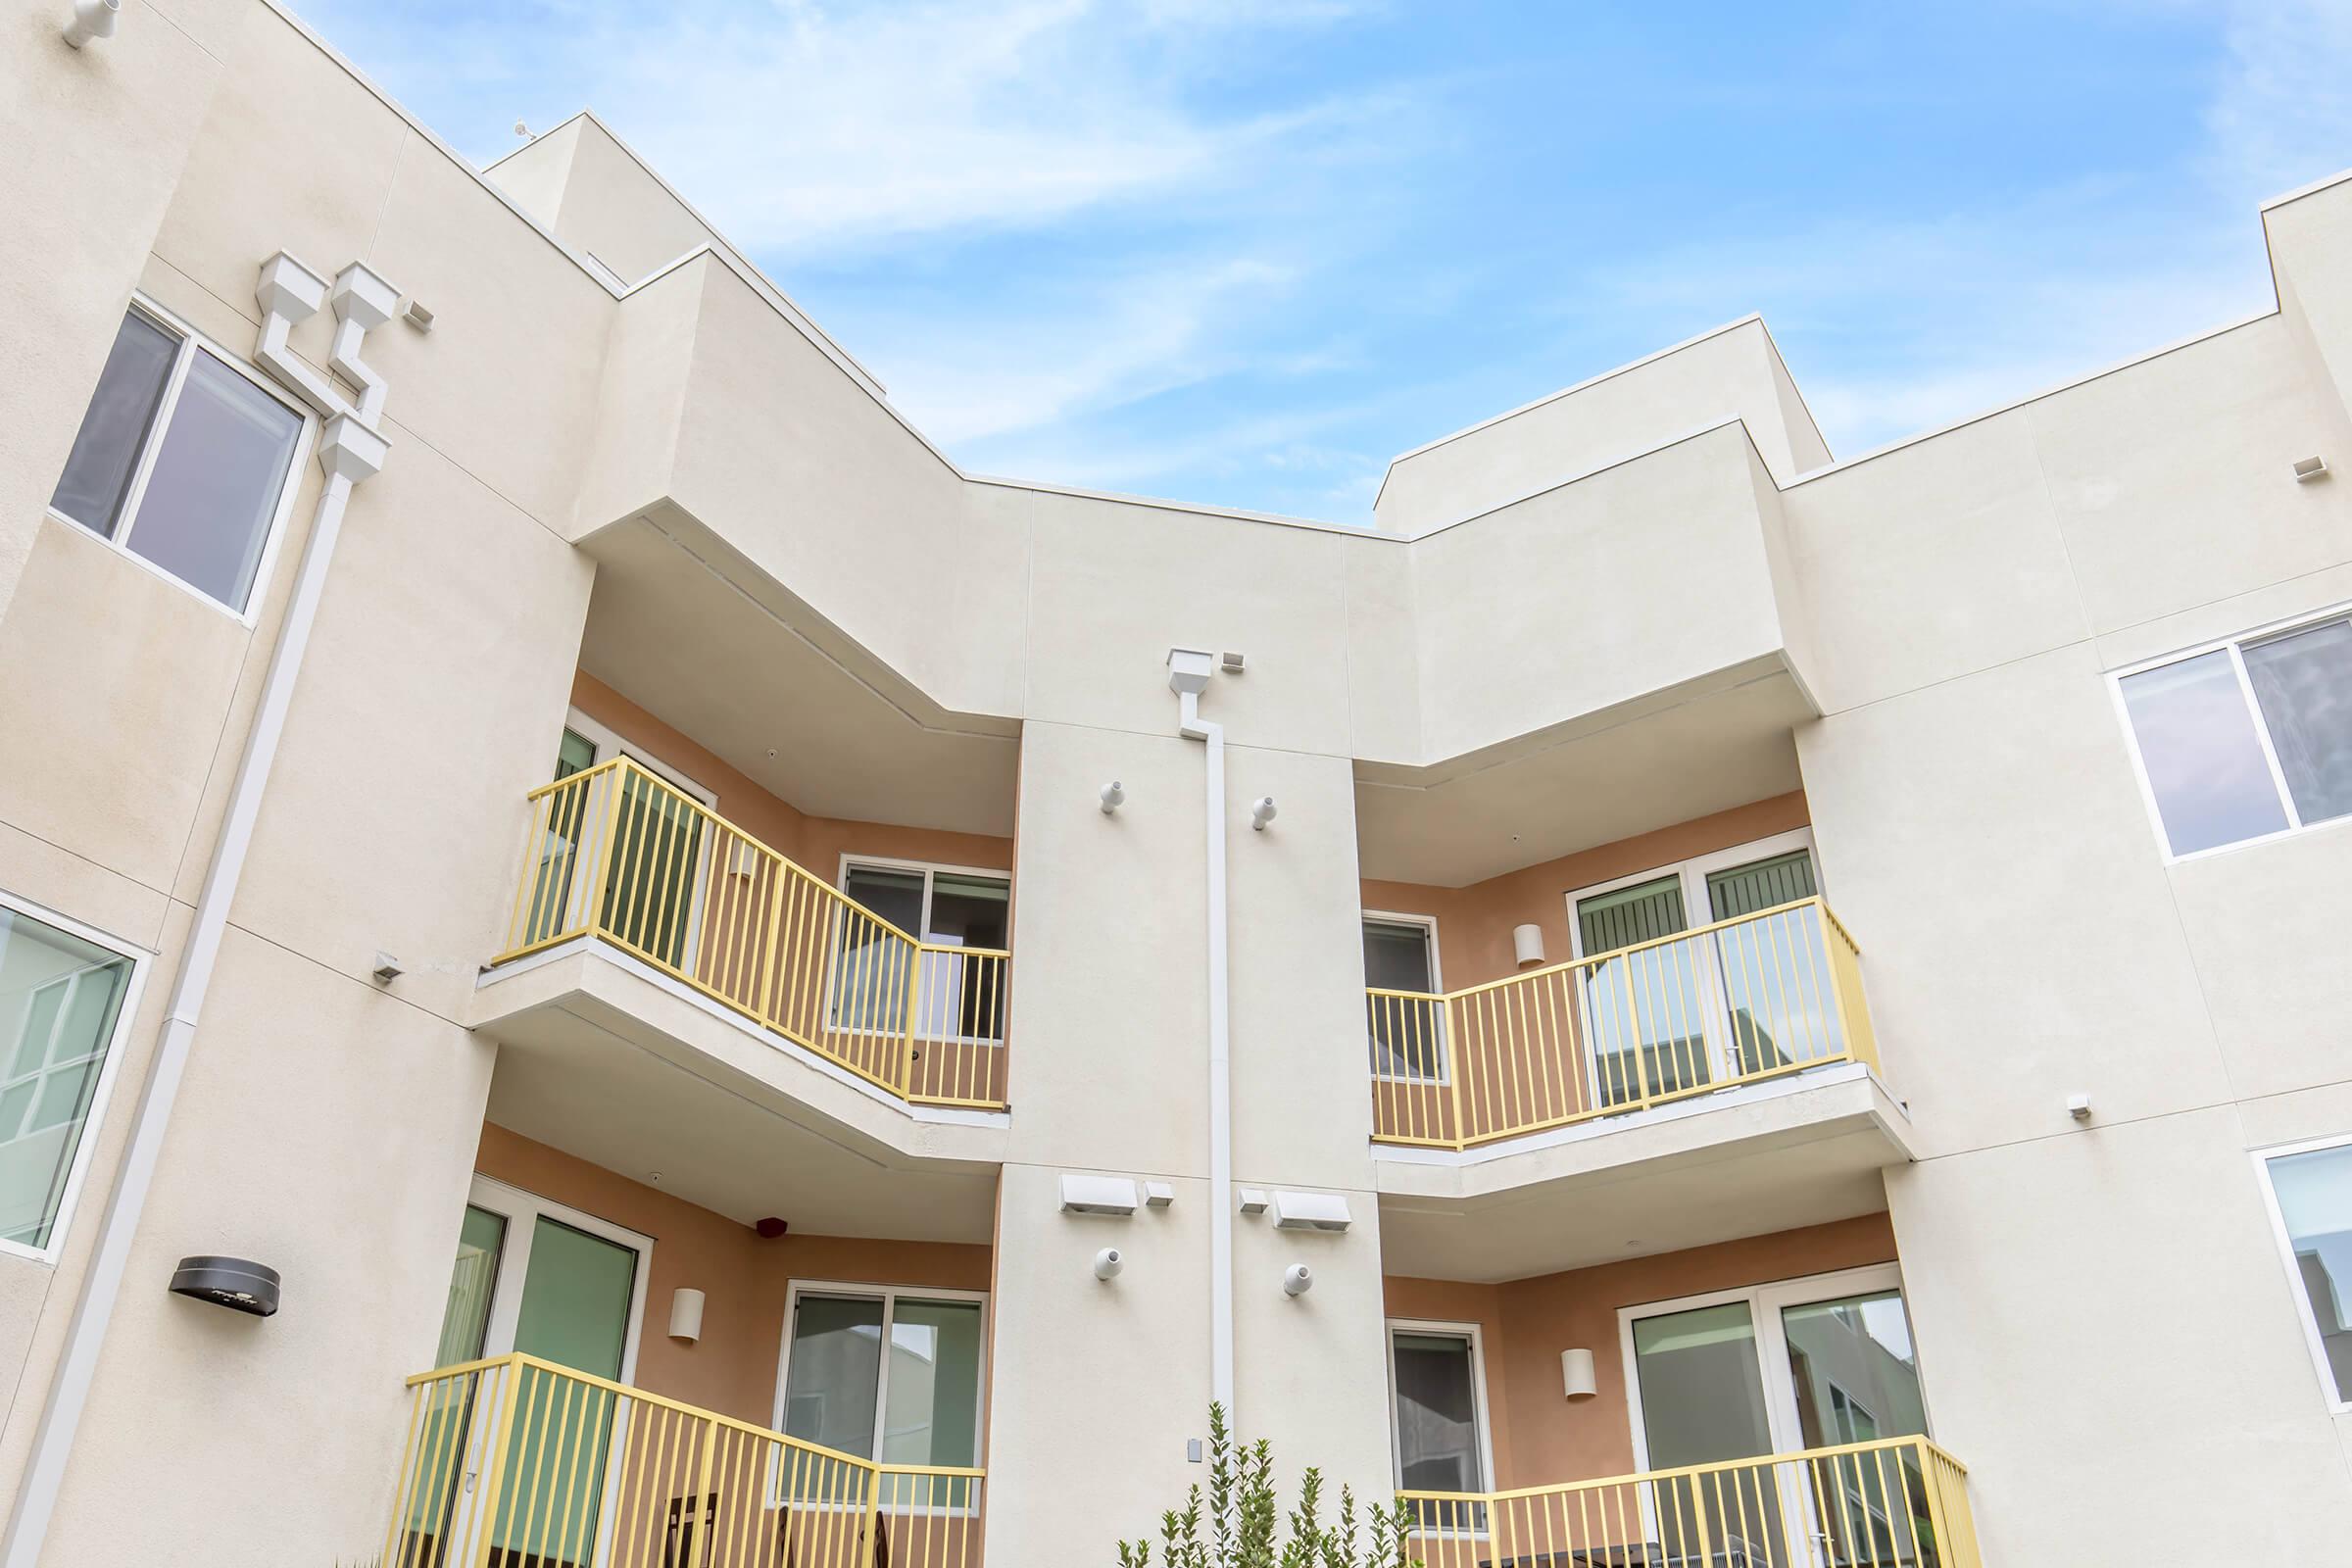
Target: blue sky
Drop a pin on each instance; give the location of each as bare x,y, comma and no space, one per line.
1243,252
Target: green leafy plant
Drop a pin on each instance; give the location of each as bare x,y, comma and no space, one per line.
1245,1527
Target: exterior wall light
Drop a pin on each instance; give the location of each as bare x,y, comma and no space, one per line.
2310,468
1114,796
238,1284
1261,811
1109,1263
686,1315
1527,945
92,20
1298,1280
1576,1375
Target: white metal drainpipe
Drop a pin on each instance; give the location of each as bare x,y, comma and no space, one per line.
349,452
1187,677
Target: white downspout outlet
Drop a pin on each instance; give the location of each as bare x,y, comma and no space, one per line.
1189,669
349,452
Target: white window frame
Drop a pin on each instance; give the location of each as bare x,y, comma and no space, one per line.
2235,644
2285,1242
109,1069
931,869
191,343
1478,1391
1765,1303
889,1295
1436,984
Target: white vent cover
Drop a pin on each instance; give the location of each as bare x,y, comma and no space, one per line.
1096,1195
1310,1211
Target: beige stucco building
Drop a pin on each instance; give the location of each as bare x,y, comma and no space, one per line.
687,931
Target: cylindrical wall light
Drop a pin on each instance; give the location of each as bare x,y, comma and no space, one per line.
1527,945
686,1315
1576,1374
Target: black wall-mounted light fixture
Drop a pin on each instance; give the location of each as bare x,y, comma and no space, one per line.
236,1283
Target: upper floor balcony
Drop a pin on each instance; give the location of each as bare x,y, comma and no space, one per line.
1628,1027
617,854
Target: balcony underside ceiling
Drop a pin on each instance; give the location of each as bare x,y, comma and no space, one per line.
1701,748
605,1062
1770,1157
715,649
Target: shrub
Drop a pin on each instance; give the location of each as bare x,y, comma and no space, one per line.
1242,1513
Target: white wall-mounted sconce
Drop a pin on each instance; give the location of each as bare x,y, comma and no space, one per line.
1576,1375
2310,468
1109,1263
1298,1280
686,1315
1527,945
1098,1195
1261,811
93,19
1113,796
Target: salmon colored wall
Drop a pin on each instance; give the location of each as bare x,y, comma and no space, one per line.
1474,922
732,1369
1524,1325
818,843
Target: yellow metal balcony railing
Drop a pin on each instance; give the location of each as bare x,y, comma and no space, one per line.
619,855
517,1461
1900,1502
1767,994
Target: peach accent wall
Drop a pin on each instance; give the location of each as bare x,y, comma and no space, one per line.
818,843
732,1369
1474,922
1524,1325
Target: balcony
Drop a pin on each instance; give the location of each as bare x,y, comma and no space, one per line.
619,856
1745,1001
1897,1502
517,1461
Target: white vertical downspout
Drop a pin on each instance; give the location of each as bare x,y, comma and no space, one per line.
1187,677
349,452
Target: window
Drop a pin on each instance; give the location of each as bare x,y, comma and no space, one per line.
2246,740
1728,1002
946,906
62,1002
889,1375
1405,1032
1438,1411
2311,1205
184,459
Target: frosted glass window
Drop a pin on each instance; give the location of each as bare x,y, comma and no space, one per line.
2315,1203
59,999
180,459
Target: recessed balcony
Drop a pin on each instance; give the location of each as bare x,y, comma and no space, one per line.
618,855
1896,1502
1768,995
517,1460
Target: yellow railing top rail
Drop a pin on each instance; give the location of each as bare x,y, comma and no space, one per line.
1678,1472
631,765
1596,959
520,1360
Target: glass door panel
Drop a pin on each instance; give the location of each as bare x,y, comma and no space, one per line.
870,971
1438,1445
576,1298
1701,1383
1646,1026
650,899
959,1002
1772,973
465,1331
1855,1378
1404,1032
931,1406
833,1376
